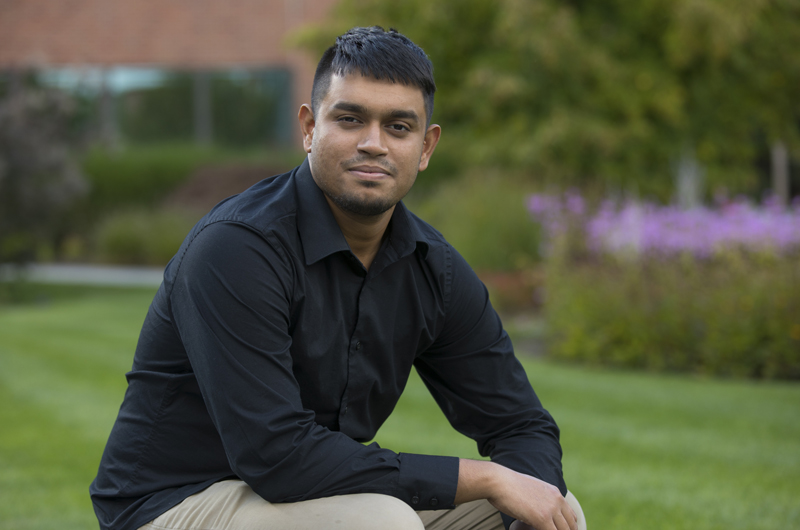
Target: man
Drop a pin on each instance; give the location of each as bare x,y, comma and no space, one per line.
287,325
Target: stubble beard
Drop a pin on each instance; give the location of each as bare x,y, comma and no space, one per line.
351,203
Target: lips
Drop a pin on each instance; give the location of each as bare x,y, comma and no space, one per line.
369,172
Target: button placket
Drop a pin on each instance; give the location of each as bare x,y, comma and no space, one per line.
355,346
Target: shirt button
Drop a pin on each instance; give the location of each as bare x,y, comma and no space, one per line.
434,501
358,345
414,500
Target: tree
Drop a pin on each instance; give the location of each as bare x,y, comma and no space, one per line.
39,179
603,91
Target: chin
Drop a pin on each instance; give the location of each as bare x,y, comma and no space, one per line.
360,206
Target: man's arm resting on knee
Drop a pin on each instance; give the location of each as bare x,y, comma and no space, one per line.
528,499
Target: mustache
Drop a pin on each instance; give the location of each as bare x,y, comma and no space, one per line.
359,160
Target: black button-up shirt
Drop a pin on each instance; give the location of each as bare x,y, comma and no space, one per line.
270,353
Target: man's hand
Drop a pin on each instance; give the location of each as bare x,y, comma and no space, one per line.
534,503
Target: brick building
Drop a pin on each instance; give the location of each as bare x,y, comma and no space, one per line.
196,35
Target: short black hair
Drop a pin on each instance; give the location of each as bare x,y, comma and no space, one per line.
377,53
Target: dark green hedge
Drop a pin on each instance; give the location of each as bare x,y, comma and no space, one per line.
737,315
142,175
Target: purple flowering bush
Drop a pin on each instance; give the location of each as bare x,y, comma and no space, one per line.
707,290
701,232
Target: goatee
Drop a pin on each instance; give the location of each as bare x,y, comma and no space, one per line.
352,204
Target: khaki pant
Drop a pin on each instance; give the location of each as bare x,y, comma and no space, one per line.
233,505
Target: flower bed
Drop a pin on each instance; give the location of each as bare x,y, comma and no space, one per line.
708,290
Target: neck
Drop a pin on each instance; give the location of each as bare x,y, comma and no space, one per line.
362,233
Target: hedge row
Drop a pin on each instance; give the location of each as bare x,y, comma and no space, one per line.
735,315
143,175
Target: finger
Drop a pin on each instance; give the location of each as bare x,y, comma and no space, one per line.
571,517
562,523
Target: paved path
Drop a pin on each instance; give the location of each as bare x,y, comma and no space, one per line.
108,275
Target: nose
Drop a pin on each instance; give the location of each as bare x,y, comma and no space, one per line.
372,141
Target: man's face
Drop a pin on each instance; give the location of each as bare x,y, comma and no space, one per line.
367,142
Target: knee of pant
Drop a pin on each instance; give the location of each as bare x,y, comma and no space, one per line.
576,507
394,514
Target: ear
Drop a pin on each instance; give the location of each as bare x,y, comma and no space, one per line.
431,139
307,123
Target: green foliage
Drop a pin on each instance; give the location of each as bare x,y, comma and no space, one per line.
604,91
484,217
142,237
640,450
142,175
137,179
736,315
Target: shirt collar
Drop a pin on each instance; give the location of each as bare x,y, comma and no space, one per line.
319,233
404,233
321,236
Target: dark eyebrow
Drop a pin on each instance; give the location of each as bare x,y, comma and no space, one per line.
404,115
360,109
350,107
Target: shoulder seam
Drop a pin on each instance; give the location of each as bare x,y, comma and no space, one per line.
249,226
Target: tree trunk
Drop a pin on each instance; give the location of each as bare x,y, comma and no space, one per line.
780,173
689,180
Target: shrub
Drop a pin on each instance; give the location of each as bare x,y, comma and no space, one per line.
142,237
734,316
705,297
142,175
484,218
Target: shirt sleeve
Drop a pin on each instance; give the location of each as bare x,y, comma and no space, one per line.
481,387
231,304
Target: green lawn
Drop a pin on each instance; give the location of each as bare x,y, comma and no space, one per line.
641,450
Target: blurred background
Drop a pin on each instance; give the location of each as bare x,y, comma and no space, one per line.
624,177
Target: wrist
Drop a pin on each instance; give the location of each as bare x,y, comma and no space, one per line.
477,479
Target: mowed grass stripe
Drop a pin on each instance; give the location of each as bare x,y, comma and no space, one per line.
72,360
90,410
84,332
46,467
70,356
688,452
641,450
62,366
